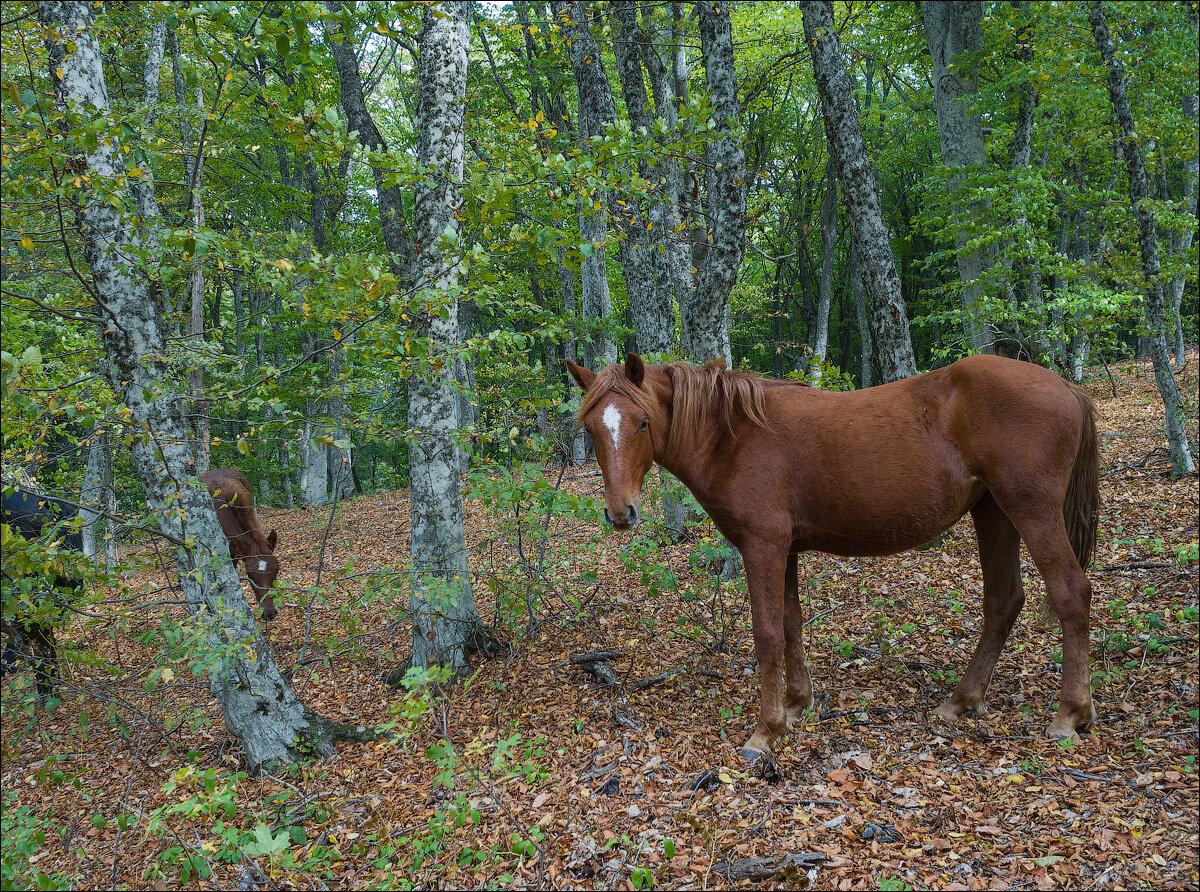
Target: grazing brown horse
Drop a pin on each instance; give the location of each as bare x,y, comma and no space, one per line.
234,505
783,468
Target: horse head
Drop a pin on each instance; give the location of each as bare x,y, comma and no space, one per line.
624,417
262,570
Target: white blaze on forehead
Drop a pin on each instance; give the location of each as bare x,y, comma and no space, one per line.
262,566
612,421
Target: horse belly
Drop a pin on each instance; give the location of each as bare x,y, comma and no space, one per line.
864,512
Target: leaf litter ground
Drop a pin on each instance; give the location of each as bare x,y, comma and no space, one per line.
575,785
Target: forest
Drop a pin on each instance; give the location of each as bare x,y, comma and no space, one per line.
362,302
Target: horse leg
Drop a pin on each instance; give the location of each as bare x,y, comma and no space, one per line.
1070,596
1003,598
799,684
765,580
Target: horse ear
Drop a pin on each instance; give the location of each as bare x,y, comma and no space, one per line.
635,370
583,376
272,538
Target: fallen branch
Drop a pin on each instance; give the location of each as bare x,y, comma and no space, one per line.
596,663
1139,565
596,656
1086,776
766,868
647,682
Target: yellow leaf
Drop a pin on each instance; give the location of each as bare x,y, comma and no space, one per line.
26,243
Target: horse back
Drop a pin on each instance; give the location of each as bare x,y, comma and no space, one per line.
234,504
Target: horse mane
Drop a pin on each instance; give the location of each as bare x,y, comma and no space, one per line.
611,379
708,391
700,395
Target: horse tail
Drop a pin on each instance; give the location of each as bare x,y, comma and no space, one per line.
1081,508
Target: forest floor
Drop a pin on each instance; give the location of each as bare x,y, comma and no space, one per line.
530,774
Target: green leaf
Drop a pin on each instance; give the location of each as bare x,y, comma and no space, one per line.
281,45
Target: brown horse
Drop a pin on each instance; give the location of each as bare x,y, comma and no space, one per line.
783,468
234,504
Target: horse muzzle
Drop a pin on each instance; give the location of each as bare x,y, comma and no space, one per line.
626,519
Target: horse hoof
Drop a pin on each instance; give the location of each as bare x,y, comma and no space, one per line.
1061,733
944,712
752,755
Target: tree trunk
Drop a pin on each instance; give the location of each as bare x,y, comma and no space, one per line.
1026,269
820,338
653,318
864,322
200,407
1191,180
889,319
952,28
634,47
705,319
1139,193
445,621
92,494
259,705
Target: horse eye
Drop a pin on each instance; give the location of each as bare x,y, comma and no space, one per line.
644,424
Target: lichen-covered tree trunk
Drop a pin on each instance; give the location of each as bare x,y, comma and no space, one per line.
653,317
92,501
705,319
863,317
259,705
1183,240
595,299
953,28
889,320
1139,193
445,621
820,338
634,47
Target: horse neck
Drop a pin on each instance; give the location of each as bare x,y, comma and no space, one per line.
691,461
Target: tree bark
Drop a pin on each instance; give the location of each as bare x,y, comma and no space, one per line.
1191,181
200,405
259,705
653,319
705,320
864,321
889,320
445,621
92,499
820,338
952,28
1139,193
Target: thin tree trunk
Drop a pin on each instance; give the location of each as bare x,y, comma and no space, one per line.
91,495
200,406
889,320
820,338
953,28
1191,181
653,318
1139,193
445,621
705,320
864,322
